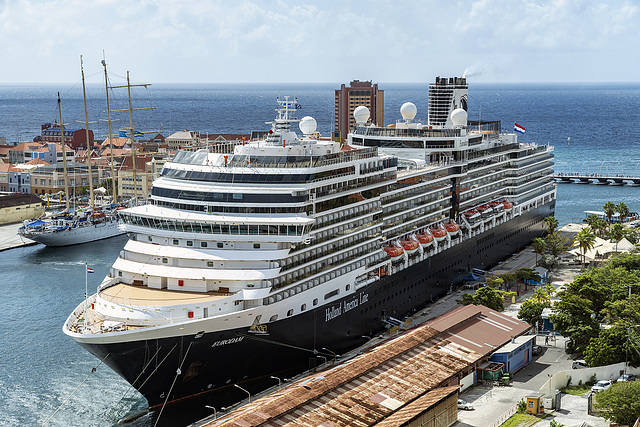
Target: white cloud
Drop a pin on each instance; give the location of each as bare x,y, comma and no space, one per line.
299,41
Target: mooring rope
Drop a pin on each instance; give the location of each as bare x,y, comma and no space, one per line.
72,393
178,372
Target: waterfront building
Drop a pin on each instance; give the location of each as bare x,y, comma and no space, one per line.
348,98
50,179
182,138
77,138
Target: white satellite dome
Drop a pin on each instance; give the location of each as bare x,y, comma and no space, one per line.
361,114
459,117
308,125
408,111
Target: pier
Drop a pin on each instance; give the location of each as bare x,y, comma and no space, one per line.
597,179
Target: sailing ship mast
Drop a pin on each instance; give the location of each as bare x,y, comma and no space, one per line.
131,130
64,154
110,136
86,129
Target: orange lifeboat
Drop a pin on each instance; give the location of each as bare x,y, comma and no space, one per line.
394,252
439,234
485,210
425,239
471,215
507,205
452,228
410,246
96,215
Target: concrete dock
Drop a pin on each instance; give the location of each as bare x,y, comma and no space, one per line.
10,239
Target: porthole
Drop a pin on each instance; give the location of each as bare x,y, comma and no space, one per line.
273,318
347,287
290,312
209,263
303,307
256,246
203,244
176,242
315,301
220,245
165,260
189,243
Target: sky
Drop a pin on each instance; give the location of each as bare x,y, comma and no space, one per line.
236,41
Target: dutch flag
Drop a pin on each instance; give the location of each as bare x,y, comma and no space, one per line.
518,128
89,270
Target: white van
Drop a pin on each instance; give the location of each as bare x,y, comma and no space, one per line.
579,364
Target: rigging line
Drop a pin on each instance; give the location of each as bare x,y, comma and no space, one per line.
178,372
139,375
72,393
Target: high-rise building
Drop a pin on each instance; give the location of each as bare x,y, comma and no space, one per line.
445,95
348,98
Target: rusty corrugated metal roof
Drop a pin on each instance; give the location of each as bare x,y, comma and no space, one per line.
364,390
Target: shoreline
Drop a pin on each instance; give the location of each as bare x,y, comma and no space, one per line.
9,238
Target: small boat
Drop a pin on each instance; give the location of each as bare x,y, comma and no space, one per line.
439,233
507,205
497,206
425,239
395,252
452,228
485,210
410,246
471,215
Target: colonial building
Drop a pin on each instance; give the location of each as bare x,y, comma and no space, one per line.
77,138
179,139
50,179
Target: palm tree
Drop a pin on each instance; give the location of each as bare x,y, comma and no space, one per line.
538,245
592,221
540,295
609,209
552,223
616,233
601,226
623,210
584,240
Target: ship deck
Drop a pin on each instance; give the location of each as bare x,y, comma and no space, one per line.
144,296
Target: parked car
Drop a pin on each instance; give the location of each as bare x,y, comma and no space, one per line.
535,350
626,377
578,364
463,404
601,385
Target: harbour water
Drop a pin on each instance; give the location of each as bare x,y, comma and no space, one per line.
40,368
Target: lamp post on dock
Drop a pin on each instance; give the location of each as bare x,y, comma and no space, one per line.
335,356
279,382
236,385
215,413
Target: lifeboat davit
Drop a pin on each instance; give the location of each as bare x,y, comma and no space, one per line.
425,239
485,210
507,205
497,206
395,252
452,228
410,246
471,215
439,234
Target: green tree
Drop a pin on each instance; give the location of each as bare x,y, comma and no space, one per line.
592,221
584,240
572,316
556,244
616,233
609,209
601,227
623,210
549,262
607,348
620,403
524,274
531,311
487,296
540,295
538,246
552,223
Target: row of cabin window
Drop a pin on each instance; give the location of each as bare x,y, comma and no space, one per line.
303,307
203,244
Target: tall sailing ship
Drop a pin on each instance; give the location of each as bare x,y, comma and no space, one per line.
261,259
75,226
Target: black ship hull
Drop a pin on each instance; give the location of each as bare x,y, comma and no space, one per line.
172,369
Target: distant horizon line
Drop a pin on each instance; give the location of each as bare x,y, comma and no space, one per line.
333,83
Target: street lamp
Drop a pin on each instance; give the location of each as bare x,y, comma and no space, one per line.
236,385
215,413
335,356
279,382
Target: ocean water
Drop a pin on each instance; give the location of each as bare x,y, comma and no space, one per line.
41,369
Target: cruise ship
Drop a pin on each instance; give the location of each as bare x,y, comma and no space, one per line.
260,260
